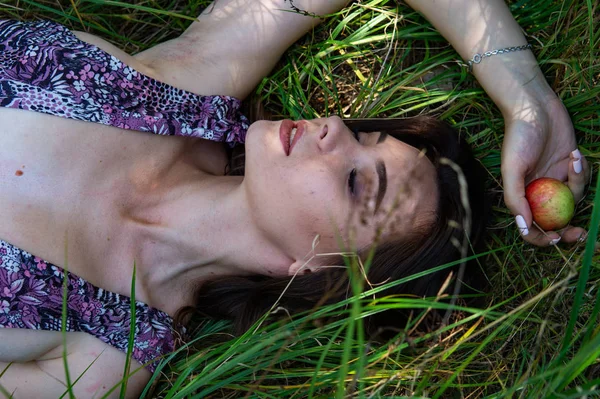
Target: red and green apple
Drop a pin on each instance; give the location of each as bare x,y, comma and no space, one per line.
551,202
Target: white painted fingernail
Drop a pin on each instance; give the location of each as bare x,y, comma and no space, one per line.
522,225
577,166
555,241
576,154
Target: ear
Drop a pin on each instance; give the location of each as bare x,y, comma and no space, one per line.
301,267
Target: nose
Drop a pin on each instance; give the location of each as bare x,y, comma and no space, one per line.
331,134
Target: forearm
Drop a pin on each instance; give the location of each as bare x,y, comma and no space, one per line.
263,26
477,26
236,43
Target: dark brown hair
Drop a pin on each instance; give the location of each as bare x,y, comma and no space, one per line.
245,299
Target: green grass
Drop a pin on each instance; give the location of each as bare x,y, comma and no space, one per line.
539,336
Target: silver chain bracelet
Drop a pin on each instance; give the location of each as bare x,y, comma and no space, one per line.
478,57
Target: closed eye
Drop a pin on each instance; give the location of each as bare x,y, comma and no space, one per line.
352,176
352,182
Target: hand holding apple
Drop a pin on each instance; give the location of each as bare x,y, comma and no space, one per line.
551,201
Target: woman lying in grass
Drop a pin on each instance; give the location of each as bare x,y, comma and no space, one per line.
100,198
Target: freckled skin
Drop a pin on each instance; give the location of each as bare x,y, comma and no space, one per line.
309,187
93,388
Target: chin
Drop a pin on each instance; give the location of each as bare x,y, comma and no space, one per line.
262,144
259,128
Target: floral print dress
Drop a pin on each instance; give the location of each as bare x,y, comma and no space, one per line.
46,68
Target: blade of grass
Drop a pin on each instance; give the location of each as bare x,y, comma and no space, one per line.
586,355
130,343
584,272
140,8
65,310
4,392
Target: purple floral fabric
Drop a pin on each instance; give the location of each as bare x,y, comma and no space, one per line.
31,296
46,68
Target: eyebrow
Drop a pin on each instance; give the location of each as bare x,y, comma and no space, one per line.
382,187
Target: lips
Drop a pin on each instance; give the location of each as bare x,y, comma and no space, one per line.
288,136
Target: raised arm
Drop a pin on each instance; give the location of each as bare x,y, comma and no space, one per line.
476,26
539,138
234,44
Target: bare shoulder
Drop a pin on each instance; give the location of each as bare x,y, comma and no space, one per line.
96,366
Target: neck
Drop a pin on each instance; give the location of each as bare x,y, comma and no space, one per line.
197,230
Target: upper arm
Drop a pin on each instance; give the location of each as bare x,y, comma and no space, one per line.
47,378
234,44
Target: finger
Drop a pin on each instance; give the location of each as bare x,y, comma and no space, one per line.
573,234
576,176
542,238
514,197
586,169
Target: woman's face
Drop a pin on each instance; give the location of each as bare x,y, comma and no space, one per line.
333,184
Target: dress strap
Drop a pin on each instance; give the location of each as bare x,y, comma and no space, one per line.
31,297
44,67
